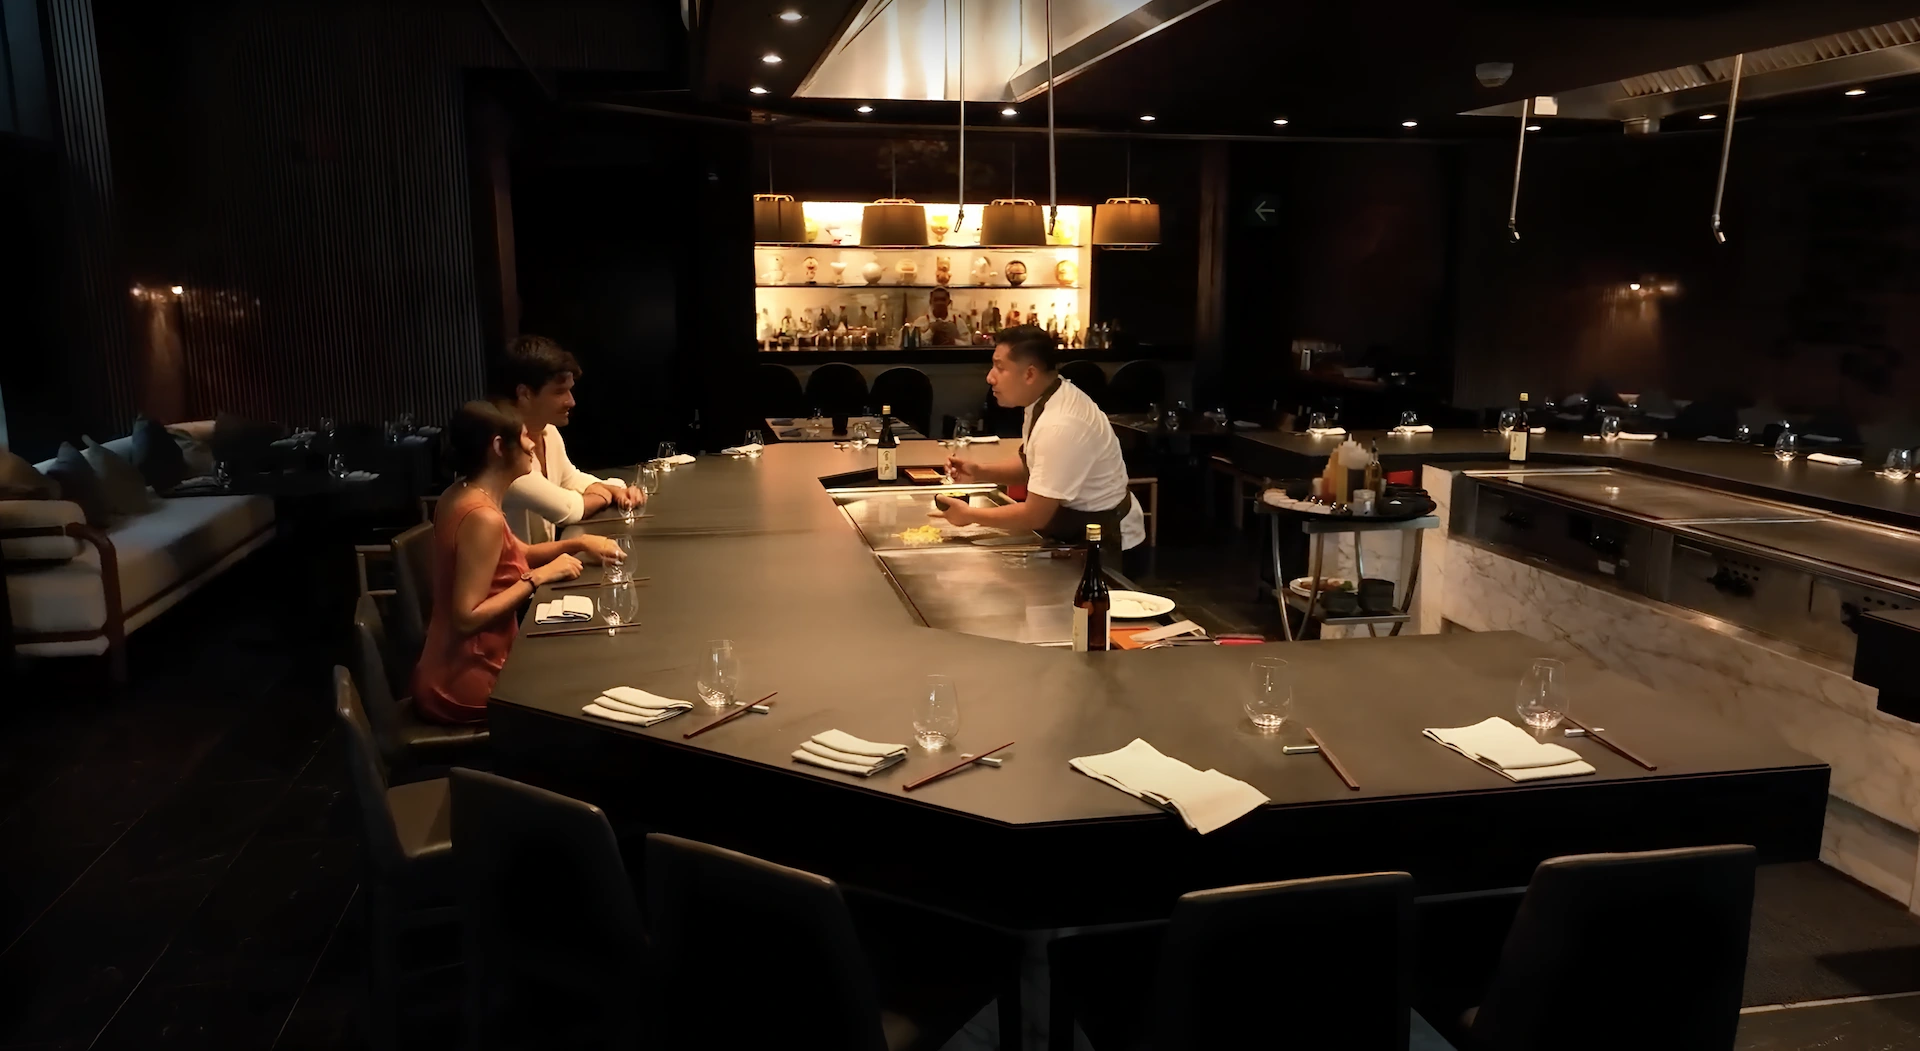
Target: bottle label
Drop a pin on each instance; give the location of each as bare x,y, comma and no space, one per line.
1517,444
1080,629
1090,630
886,465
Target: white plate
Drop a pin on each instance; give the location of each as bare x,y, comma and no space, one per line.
1136,605
1298,585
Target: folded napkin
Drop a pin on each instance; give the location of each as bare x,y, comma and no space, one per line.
743,450
683,458
1713,438
983,439
624,704
1326,432
568,610
1837,461
1205,800
848,754
1246,425
1417,428
783,421
1633,436
358,476
1536,430
1820,438
1509,751
795,433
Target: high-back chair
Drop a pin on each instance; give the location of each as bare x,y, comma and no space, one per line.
402,739
910,393
838,389
413,556
1089,377
1137,386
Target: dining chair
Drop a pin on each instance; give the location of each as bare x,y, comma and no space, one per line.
777,391
556,952
1644,950
720,917
838,389
403,739
1309,963
1089,377
910,393
413,553
408,855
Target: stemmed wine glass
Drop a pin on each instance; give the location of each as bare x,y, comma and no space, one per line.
936,715
622,571
1541,698
620,605
648,480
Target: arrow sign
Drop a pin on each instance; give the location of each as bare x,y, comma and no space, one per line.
1265,210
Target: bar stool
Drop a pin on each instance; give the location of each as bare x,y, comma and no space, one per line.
1309,963
1151,512
1660,937
409,858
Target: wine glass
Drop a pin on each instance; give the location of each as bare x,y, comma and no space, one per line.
1610,426
1899,463
1541,698
719,674
1317,421
337,466
858,433
1409,419
223,474
1743,434
1786,448
622,571
649,480
1509,421
936,715
962,434
620,605
756,439
1269,704
664,452
406,424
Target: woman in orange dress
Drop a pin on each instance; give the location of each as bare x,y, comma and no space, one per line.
482,572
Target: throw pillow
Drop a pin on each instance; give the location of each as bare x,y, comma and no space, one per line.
20,481
79,484
157,456
121,485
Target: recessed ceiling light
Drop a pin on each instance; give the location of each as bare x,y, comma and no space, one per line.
789,16
1856,91
757,90
1009,112
1409,123
1146,116
770,59
1281,121
1533,127
1708,116
863,109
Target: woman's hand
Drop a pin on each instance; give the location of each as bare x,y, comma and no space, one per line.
562,567
600,547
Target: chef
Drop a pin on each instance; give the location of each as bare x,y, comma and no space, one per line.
1069,458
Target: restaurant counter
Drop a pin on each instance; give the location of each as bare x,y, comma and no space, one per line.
756,551
1747,469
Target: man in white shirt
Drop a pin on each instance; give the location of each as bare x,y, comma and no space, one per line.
535,378
1069,458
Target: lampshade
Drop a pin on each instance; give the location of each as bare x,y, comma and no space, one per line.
1126,222
894,222
1013,222
778,219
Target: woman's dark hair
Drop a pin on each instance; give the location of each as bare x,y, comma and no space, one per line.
471,432
531,360
1029,344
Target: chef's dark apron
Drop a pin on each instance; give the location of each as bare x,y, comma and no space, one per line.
1068,526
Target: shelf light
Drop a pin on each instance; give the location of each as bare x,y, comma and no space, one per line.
770,59
790,16
863,108
1409,123
1009,112
757,90
1146,116
1708,116
1856,91
1280,122
1533,127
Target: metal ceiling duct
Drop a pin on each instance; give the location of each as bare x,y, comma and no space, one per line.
1839,60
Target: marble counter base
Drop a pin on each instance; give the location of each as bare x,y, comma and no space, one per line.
1875,759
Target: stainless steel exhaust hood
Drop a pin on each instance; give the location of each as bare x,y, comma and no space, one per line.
1833,62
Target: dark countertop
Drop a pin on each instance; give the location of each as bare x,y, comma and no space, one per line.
1748,469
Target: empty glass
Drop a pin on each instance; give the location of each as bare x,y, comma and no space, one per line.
337,465
755,439
1899,463
406,423
1509,419
222,474
1317,421
858,432
620,605
1786,447
666,451
1743,434
936,715
962,434
1269,703
622,571
1609,426
719,675
648,480
1541,697
1409,419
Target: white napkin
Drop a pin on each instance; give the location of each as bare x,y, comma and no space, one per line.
1326,432
1633,436
848,754
743,450
1246,425
1837,461
358,476
1820,438
983,439
1416,428
683,458
566,610
1510,751
1205,800
1714,438
624,704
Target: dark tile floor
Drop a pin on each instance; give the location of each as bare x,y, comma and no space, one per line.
179,864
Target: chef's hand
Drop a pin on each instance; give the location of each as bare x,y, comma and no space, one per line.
959,512
959,470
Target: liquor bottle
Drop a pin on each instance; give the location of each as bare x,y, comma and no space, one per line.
866,319
844,323
973,325
1517,438
1033,314
993,317
889,445
884,326
1091,602
1376,475
825,324
786,325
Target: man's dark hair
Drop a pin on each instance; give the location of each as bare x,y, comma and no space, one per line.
470,434
531,360
1029,344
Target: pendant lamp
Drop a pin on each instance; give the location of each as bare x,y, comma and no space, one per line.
1013,222
894,222
1126,223
778,219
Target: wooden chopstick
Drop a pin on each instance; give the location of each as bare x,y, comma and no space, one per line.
598,584
961,765
1332,760
729,717
609,518
579,630
1578,725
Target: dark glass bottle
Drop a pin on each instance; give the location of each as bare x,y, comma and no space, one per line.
889,446
1091,602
